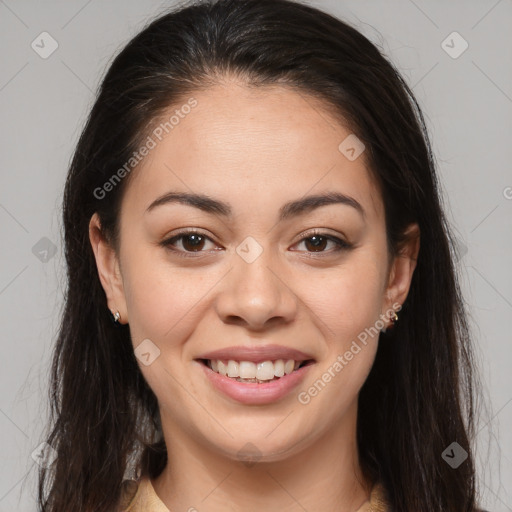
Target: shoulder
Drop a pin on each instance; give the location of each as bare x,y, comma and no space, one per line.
140,496
129,491
379,500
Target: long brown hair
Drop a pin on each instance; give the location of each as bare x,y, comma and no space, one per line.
419,396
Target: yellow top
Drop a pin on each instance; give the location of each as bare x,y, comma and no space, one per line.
139,496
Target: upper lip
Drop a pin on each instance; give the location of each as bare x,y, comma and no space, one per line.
256,354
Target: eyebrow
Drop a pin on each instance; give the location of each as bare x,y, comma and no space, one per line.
290,209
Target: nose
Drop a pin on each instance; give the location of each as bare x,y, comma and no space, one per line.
256,296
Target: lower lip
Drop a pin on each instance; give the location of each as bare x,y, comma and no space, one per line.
253,393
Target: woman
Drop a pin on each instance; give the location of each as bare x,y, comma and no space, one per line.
262,310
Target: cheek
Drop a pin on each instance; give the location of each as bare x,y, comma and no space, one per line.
160,297
348,307
347,299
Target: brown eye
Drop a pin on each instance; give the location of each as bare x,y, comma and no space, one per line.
317,243
191,242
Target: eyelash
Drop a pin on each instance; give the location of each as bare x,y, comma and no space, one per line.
341,244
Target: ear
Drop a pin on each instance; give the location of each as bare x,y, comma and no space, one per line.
109,270
402,268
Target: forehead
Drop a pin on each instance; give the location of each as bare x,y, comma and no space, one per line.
239,143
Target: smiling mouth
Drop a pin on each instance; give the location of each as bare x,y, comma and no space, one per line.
261,372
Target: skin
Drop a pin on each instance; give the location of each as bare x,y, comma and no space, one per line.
255,149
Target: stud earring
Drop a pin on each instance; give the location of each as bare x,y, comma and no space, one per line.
394,320
115,317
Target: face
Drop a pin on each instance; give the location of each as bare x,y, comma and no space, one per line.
253,269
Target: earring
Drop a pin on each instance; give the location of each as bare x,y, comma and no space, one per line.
115,317
394,320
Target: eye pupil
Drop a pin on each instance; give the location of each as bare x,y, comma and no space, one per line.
320,241
197,240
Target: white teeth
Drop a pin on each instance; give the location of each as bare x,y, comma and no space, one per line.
263,371
288,366
247,370
221,368
279,368
233,370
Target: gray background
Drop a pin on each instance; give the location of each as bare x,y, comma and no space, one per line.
43,102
